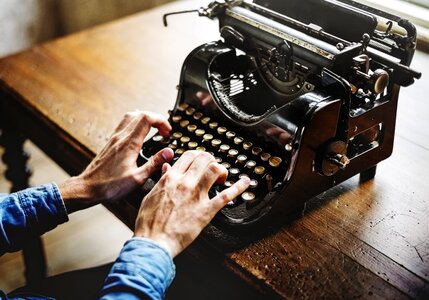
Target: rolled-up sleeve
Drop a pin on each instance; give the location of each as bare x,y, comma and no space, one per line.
29,213
143,270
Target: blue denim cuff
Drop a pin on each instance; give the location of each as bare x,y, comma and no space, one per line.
143,269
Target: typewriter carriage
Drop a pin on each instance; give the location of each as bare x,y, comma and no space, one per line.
328,93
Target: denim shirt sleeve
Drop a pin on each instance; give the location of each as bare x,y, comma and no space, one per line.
29,213
143,270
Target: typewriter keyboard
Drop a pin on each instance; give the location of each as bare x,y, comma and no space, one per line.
240,155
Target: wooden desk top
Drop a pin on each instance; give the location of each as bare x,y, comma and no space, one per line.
368,240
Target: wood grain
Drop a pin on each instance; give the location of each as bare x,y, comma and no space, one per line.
355,240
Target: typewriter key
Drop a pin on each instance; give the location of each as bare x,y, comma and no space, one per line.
157,138
253,184
200,132
232,153
172,146
165,140
205,120
228,183
248,196
200,148
218,160
182,107
213,125
191,128
238,140
177,135
247,145
207,137
224,148
185,139
190,111
221,130
250,164
256,151
234,172
180,151
226,165
275,161
265,156
241,159
176,119
243,175
216,143
198,115
211,153
259,170
230,134
192,145
184,123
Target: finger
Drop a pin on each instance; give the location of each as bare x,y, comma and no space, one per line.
165,168
230,193
155,163
205,170
183,163
143,121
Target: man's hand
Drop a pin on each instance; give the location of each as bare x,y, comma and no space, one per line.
114,173
178,207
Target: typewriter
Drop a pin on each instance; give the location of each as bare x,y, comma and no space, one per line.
297,95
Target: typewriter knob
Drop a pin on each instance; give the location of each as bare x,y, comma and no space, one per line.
379,80
333,158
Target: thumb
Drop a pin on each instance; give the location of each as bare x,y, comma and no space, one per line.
155,163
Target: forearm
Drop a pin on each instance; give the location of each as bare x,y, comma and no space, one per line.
143,270
28,213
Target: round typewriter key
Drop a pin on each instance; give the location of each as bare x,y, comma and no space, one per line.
198,115
259,170
207,137
213,125
182,106
238,140
228,183
191,128
247,145
232,153
221,130
265,156
218,160
179,151
230,134
234,172
216,143
176,119
253,184
243,175
200,148
241,159
172,146
184,123
200,132
250,164
224,148
190,111
205,120
256,151
185,139
275,161
248,196
226,165
157,138
177,135
165,140
192,145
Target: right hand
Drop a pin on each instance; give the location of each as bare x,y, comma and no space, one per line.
178,208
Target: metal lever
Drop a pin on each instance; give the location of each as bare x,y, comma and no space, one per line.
164,17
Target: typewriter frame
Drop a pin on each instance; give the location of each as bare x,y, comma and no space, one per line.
331,140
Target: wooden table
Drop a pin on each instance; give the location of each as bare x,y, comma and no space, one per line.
356,240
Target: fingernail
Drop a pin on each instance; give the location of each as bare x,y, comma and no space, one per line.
166,155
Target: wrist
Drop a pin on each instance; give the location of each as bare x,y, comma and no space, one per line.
165,243
76,194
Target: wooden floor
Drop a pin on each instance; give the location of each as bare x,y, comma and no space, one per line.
72,245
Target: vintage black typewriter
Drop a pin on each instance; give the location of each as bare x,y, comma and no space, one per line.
297,95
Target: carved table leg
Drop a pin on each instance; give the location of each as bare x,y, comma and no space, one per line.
18,174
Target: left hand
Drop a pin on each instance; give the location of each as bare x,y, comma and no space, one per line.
114,173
